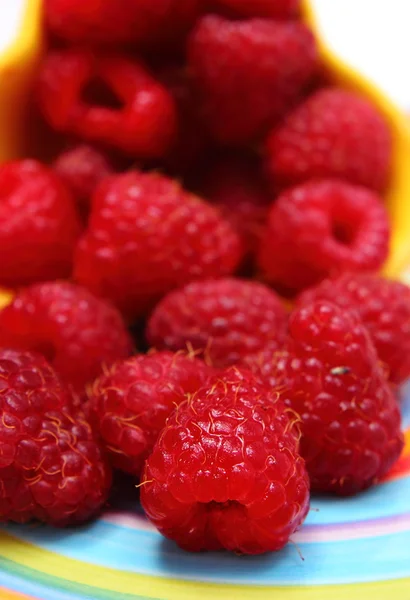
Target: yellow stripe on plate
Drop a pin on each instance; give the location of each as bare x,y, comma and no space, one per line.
121,582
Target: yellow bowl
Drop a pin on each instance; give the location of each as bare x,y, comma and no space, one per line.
18,66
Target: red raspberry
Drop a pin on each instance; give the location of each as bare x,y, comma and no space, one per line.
384,308
335,133
237,187
107,99
51,468
249,72
77,332
119,21
328,374
146,236
225,472
38,224
82,168
271,9
133,400
320,228
227,319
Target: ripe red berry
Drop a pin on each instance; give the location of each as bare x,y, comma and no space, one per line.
76,331
321,228
271,9
329,374
226,472
93,21
82,168
146,236
248,72
237,187
116,22
131,402
51,467
335,133
227,319
107,99
38,224
384,308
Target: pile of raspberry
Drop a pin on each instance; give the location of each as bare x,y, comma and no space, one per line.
194,297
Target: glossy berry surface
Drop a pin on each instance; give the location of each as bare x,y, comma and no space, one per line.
226,319
226,472
76,331
43,474
384,307
321,228
329,374
146,236
133,399
39,225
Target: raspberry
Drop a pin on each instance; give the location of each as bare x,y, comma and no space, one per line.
77,332
320,228
51,468
107,99
119,21
384,308
227,319
328,374
133,400
225,472
335,133
146,236
271,9
248,72
95,21
38,224
237,187
81,169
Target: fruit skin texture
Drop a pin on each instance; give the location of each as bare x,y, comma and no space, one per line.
226,472
334,133
141,121
329,374
76,331
43,474
248,72
132,401
384,308
146,236
228,319
39,225
271,9
322,228
82,168
237,187
112,22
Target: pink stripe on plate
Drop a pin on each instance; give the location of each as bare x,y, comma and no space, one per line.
310,534
353,531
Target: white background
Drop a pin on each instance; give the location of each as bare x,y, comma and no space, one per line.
373,35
